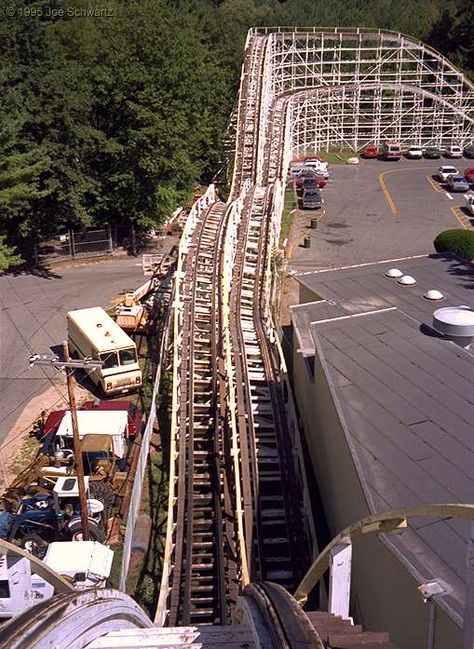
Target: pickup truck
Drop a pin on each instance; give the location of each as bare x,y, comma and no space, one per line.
133,423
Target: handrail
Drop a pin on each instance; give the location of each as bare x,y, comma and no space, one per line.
380,523
204,201
229,252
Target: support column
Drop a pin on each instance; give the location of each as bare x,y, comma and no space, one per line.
340,579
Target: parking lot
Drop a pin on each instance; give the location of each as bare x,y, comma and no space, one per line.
377,210
33,319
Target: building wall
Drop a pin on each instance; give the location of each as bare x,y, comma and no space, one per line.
385,596
307,295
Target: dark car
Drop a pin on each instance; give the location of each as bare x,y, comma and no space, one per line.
469,151
309,178
312,199
458,184
370,151
432,153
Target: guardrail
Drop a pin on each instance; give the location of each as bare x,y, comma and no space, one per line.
202,203
136,496
234,217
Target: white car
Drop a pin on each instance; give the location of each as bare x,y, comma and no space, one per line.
445,172
454,151
470,204
318,166
415,152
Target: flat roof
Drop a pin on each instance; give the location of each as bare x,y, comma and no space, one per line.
100,328
405,399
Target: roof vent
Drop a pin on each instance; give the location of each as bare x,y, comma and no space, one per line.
433,294
393,272
407,280
456,323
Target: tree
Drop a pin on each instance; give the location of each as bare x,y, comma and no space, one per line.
8,256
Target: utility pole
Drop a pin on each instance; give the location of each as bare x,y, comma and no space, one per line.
69,366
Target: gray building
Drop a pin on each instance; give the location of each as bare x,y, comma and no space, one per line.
387,407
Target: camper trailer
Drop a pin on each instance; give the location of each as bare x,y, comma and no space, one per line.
92,333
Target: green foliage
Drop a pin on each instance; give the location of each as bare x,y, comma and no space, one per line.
460,242
8,257
115,119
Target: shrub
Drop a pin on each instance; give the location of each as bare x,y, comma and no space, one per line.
460,242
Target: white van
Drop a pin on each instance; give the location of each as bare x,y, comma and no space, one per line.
454,151
93,334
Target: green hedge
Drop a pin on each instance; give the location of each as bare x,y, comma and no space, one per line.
461,242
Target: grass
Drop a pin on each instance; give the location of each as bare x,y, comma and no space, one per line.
338,157
333,157
147,573
287,216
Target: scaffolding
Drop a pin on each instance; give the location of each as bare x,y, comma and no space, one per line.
341,89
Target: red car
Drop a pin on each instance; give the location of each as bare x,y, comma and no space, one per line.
308,175
469,174
370,151
134,415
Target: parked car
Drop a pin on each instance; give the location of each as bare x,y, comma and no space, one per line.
470,204
469,174
469,151
458,184
313,181
390,150
370,151
445,171
432,153
312,199
454,151
415,152
294,171
318,166
310,177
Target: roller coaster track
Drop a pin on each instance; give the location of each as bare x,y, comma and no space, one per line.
204,569
209,554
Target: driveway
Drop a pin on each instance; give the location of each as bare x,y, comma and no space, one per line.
32,319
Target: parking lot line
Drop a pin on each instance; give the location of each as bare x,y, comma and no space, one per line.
435,185
386,193
461,217
449,196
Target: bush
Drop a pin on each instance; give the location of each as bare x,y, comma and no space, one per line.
460,242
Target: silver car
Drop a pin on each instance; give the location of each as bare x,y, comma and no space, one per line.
458,184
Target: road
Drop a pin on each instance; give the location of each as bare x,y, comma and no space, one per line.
377,210
32,319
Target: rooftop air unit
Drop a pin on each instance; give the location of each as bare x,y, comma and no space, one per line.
456,323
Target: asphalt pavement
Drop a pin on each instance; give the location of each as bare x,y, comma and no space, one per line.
374,211
33,319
